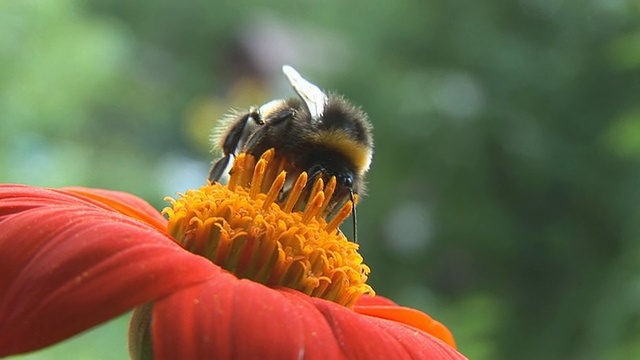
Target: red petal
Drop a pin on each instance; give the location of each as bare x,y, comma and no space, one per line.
229,318
374,301
17,198
126,204
68,263
371,337
386,309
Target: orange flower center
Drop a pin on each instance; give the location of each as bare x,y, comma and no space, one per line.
251,229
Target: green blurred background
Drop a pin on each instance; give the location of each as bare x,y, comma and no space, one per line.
505,190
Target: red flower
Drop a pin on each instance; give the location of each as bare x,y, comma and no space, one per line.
71,259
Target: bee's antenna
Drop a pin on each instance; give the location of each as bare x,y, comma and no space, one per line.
353,216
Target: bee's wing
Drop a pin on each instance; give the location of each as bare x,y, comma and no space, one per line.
314,98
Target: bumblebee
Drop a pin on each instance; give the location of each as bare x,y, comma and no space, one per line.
322,134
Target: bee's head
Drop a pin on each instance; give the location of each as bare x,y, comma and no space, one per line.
345,180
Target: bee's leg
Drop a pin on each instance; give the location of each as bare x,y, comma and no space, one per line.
314,173
218,168
280,116
274,119
230,144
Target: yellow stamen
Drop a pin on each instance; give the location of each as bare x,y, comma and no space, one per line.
340,216
258,175
247,174
315,204
293,197
277,185
328,192
250,228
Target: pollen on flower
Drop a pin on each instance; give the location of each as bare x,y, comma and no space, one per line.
253,228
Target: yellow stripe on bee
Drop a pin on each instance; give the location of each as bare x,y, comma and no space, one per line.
341,142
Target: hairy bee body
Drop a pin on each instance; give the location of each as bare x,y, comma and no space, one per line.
321,134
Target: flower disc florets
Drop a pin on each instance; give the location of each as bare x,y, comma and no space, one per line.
250,228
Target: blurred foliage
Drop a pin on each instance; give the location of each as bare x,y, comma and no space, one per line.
505,190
